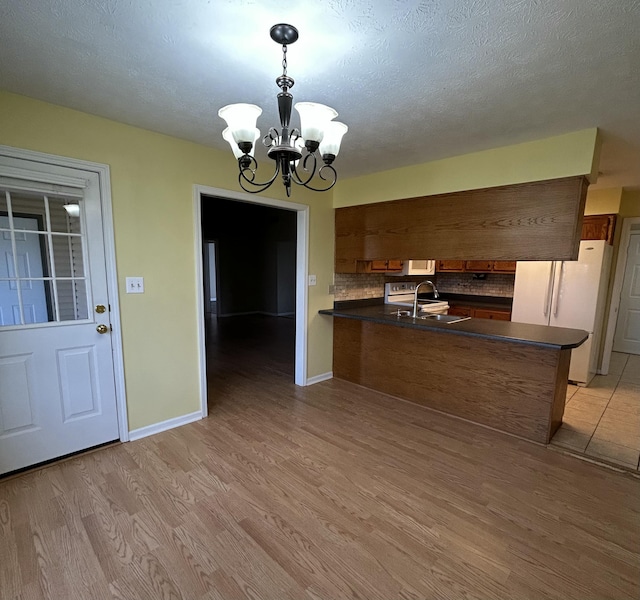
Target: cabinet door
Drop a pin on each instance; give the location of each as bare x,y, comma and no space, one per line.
450,265
488,313
478,266
598,227
459,311
504,266
378,266
394,265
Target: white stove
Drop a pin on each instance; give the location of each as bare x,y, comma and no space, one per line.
401,294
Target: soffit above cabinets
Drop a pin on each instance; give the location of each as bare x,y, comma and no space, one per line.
530,221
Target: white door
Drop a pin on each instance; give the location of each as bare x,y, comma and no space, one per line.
57,389
533,291
627,336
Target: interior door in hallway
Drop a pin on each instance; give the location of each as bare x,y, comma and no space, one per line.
57,388
627,336
29,252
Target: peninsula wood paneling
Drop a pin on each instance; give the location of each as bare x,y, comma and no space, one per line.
530,221
516,388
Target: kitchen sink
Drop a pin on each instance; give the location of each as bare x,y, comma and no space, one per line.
444,318
434,306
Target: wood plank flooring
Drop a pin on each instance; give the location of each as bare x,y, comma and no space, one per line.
319,493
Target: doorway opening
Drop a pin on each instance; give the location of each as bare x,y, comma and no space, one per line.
253,253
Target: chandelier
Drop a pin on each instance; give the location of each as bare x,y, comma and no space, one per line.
297,154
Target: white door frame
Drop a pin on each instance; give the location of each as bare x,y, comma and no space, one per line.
629,224
302,252
104,178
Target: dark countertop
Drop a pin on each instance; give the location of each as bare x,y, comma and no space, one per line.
538,335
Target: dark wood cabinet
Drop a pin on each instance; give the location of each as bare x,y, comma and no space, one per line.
599,227
476,266
459,311
497,314
450,265
527,221
504,266
379,266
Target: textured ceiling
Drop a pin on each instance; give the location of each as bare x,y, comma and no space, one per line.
415,80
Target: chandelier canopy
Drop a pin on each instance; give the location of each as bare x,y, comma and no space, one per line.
297,153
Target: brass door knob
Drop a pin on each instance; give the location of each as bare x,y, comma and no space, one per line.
102,328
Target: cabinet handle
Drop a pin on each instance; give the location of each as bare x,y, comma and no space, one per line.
556,291
547,298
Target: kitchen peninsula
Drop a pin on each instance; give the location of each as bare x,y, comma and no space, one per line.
508,376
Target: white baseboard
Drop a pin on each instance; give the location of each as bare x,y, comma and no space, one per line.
136,434
319,378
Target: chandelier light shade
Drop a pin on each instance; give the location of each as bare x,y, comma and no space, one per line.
305,156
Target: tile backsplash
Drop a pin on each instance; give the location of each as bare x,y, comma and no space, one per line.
360,286
495,284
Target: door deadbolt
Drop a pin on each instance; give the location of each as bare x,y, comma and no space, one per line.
102,328
100,308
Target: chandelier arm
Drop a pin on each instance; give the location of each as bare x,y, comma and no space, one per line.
296,175
334,176
251,168
271,136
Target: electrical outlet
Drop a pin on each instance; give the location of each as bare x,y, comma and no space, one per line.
135,285
313,280
332,288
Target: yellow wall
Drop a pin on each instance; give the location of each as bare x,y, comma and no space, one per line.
603,202
630,204
152,178
561,156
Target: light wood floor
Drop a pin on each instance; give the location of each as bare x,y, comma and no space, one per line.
319,493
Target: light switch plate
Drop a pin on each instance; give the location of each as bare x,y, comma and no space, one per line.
313,280
135,285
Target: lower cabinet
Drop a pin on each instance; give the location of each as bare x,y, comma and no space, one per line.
460,310
498,315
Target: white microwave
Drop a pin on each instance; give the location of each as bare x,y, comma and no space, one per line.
418,267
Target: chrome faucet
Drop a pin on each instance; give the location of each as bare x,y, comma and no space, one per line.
415,296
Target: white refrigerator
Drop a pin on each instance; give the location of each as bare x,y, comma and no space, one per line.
571,294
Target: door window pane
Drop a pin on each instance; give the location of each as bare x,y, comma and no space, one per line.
42,266
67,253
65,215
28,211
72,300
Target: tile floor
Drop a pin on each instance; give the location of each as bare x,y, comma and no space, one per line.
603,420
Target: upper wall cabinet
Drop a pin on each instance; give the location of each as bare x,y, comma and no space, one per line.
599,227
476,266
530,221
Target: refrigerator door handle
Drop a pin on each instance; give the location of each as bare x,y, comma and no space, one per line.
557,289
547,298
